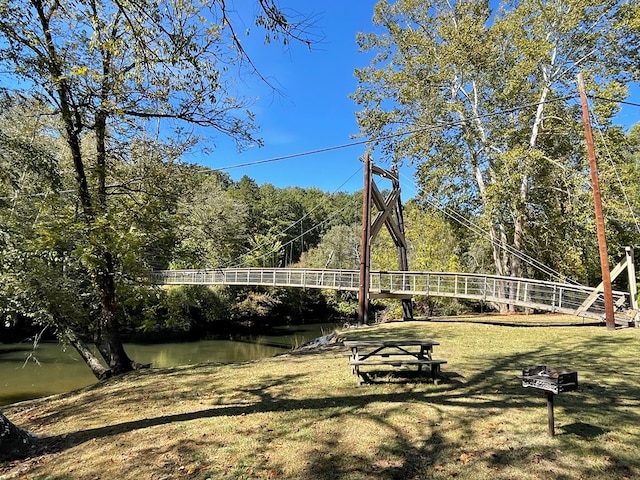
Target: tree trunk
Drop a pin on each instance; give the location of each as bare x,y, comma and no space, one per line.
14,442
107,337
110,346
99,370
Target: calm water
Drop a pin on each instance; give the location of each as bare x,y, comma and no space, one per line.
57,370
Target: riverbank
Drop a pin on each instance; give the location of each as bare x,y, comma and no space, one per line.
301,415
53,368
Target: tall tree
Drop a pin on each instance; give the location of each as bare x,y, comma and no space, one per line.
478,99
106,68
46,272
338,249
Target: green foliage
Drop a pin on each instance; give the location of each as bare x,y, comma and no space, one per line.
432,247
344,304
256,304
101,71
213,226
189,308
338,249
478,99
431,243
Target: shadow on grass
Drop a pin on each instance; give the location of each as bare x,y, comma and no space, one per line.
502,322
410,376
583,430
267,404
493,388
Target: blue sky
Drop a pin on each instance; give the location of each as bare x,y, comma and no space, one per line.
314,111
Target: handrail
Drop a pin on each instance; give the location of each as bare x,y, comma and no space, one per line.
522,292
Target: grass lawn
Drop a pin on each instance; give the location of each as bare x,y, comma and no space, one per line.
302,415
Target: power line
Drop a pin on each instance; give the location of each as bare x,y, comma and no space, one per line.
612,100
436,126
293,155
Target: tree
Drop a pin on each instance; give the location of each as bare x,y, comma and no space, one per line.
104,69
14,442
46,275
619,168
246,191
478,99
213,225
338,249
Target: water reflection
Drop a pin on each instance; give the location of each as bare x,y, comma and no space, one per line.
58,370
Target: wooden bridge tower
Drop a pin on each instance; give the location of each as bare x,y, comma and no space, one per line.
389,214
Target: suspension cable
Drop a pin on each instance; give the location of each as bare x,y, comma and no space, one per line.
457,217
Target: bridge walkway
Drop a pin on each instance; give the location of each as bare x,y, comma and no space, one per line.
521,292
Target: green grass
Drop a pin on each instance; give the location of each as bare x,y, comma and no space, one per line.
302,415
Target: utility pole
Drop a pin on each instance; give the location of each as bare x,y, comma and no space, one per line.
597,200
365,257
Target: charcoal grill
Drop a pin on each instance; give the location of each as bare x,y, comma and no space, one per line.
552,381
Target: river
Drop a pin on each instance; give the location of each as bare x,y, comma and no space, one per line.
26,374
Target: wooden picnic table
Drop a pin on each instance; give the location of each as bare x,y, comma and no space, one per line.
395,353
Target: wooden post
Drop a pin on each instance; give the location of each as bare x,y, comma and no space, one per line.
602,239
633,287
403,260
365,254
631,271
550,415
389,215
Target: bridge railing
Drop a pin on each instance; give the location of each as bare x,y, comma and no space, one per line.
536,294
522,292
268,277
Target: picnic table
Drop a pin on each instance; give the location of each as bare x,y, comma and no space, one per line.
395,353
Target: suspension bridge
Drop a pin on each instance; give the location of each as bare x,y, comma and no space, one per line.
521,292
547,296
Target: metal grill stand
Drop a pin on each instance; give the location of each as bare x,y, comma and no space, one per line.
552,381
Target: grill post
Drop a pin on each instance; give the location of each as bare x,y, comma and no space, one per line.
552,423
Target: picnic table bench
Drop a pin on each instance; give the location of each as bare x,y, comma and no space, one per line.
395,353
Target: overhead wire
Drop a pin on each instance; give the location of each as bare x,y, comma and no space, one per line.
457,217
436,126
613,100
547,270
388,136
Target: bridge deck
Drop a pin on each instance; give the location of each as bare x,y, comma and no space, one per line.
522,292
